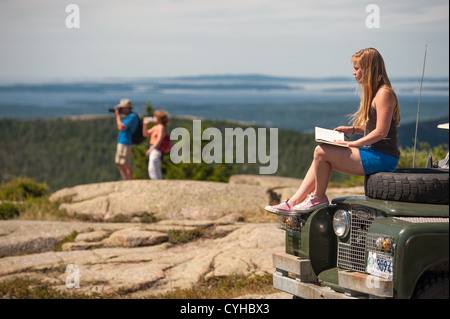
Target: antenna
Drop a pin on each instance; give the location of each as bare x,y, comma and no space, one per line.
418,106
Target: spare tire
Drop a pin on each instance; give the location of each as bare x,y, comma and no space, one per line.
417,185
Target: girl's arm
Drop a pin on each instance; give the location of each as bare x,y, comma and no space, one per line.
347,130
145,131
384,103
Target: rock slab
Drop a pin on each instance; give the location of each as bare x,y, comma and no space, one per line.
164,199
148,270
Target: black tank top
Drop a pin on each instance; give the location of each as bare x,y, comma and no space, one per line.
389,144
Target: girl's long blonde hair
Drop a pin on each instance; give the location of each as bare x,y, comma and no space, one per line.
374,76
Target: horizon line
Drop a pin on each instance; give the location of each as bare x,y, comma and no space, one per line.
4,80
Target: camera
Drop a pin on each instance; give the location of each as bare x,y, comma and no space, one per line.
111,110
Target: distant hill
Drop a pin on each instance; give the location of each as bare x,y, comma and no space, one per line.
427,132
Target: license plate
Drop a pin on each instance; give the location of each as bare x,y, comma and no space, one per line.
380,265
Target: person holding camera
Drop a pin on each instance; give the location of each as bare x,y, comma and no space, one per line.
127,122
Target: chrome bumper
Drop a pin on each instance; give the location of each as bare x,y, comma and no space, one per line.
295,276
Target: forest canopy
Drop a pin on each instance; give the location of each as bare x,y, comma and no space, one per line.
67,152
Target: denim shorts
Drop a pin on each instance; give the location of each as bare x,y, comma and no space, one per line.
374,161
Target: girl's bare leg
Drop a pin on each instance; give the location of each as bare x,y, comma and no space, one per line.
308,185
326,159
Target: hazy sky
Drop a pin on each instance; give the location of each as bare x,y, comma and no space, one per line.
157,38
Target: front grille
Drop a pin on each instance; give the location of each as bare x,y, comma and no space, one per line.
351,255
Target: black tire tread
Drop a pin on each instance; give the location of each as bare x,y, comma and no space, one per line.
420,185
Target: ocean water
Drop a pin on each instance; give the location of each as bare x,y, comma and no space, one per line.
291,103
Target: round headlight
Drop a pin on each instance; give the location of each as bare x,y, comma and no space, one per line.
341,223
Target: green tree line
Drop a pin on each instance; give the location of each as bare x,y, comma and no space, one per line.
66,152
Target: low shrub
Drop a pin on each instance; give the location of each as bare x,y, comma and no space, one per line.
224,287
68,239
22,188
42,208
28,288
177,236
8,210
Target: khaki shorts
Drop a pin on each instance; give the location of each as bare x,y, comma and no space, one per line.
123,154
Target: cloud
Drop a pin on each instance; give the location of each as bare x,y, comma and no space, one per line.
182,37
409,16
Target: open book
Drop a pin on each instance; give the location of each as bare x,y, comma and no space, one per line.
329,136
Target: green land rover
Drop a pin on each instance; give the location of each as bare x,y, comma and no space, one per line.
391,243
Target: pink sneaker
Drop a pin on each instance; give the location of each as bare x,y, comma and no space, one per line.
282,208
311,203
